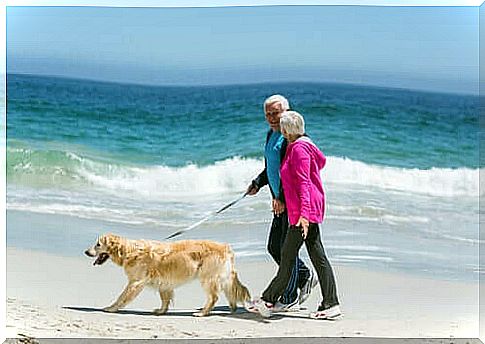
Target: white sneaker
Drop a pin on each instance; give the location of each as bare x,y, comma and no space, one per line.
311,283
260,306
286,307
327,314
250,306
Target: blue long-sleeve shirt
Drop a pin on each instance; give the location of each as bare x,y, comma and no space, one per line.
272,153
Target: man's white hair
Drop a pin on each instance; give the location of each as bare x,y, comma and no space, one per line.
277,98
293,123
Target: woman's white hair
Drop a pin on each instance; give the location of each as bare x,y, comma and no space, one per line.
293,123
277,98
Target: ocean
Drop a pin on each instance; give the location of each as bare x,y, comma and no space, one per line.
87,157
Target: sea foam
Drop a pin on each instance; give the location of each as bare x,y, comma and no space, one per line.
68,169
234,174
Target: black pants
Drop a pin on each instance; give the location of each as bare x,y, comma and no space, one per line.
299,271
291,246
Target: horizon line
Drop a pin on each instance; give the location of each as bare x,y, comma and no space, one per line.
145,84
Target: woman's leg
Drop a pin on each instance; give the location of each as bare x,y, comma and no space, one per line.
321,264
277,236
289,252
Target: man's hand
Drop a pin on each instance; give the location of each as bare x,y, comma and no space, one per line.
303,223
252,189
278,207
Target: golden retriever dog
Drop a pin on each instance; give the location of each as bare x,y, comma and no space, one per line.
167,265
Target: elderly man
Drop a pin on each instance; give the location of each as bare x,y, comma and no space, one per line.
301,278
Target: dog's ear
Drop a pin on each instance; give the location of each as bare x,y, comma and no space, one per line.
109,240
104,239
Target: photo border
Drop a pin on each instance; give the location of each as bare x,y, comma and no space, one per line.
241,3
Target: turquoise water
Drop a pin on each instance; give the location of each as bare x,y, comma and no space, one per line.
401,178
176,125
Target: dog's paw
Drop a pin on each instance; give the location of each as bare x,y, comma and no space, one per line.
110,309
200,314
159,311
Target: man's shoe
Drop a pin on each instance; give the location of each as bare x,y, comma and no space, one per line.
286,307
311,283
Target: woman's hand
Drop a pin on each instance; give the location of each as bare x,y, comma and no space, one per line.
303,223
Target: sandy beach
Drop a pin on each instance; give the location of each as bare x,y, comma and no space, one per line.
51,296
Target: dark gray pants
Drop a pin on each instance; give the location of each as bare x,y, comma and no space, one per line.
289,252
299,272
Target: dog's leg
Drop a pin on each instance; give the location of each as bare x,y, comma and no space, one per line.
131,291
235,292
231,298
232,301
166,296
212,290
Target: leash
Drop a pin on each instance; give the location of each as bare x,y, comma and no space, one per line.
173,235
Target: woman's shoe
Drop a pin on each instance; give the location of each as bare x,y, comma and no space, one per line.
260,306
327,314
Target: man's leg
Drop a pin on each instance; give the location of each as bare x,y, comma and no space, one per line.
303,272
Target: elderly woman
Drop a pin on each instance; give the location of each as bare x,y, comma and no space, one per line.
305,201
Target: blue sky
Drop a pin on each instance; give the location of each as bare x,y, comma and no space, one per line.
433,48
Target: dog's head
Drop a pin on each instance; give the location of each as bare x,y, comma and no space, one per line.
101,249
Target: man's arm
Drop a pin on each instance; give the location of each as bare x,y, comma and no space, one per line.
257,183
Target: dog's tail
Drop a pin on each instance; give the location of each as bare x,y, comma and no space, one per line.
234,290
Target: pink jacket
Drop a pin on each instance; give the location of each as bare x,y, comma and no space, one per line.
302,185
